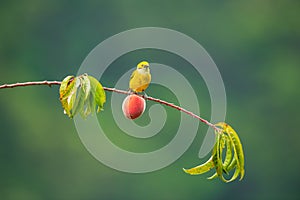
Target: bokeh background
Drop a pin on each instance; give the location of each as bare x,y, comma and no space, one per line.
255,44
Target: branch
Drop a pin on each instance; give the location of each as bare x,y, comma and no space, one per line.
50,83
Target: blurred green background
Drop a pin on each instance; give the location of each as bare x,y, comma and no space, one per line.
255,44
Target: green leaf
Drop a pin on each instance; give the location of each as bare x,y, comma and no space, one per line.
217,159
228,155
67,88
79,102
237,149
98,93
215,175
71,99
64,85
86,85
232,165
200,169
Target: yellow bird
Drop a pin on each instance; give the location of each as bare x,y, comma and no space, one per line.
140,78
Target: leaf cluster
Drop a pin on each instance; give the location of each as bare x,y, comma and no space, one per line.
82,94
227,155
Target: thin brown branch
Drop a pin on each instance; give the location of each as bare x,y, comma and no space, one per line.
183,110
50,83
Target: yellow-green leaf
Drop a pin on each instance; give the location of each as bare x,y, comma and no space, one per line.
67,88
228,155
98,92
200,169
79,102
64,85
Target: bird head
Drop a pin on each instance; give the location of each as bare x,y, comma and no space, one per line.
143,65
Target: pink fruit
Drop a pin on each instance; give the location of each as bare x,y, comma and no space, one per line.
133,106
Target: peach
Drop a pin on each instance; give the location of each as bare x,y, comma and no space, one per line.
133,106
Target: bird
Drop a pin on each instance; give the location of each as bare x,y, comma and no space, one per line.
140,78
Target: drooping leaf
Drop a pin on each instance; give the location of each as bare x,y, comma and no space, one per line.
237,146
71,98
200,169
217,159
98,92
228,155
67,88
79,102
237,162
63,91
86,85
232,164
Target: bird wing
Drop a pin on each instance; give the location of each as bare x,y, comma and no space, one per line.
132,75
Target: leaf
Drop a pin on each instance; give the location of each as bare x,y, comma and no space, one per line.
90,105
238,154
215,175
79,102
66,89
86,85
98,93
228,155
200,169
217,159
64,85
232,164
83,106
71,98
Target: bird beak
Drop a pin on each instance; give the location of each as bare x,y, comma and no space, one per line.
147,66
